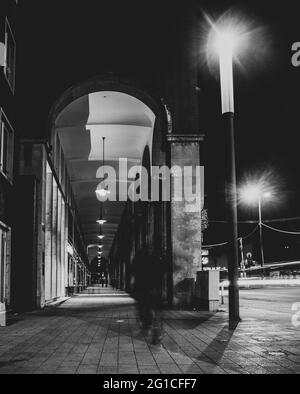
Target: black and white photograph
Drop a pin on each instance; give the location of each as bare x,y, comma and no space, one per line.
149,191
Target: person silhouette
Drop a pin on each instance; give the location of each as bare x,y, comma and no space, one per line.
147,274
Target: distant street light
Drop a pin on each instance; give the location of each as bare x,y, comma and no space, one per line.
254,194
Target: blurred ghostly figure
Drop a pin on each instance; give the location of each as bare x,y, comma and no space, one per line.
147,275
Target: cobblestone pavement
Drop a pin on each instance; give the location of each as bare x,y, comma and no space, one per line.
100,334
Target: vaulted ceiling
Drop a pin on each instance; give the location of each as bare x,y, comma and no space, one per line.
127,124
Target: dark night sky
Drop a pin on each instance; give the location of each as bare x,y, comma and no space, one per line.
267,105
62,43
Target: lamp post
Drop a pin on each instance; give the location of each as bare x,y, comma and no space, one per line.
261,232
252,194
228,38
263,195
103,193
225,42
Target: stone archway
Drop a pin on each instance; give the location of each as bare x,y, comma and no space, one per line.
80,106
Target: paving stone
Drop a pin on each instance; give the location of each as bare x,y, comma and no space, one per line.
87,369
107,371
190,368
151,371
169,369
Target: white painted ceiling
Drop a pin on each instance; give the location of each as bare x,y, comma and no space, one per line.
127,123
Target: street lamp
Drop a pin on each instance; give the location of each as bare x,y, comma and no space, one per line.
103,193
255,194
223,41
101,222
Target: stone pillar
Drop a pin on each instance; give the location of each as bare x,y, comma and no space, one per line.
63,250
184,150
54,241
75,277
66,236
48,236
59,244
40,250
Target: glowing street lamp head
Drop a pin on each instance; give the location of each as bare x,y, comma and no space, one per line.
231,33
227,37
225,41
101,222
252,193
102,193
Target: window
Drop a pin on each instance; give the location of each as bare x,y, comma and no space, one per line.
6,147
10,56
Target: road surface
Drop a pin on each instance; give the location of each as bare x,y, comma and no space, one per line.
270,303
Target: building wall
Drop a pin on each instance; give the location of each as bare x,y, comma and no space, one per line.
47,258
7,121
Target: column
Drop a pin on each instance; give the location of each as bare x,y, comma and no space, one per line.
184,150
40,229
59,244
48,236
66,236
63,251
54,241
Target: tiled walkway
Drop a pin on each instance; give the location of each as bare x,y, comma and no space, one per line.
93,333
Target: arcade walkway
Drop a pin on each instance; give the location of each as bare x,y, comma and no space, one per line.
97,332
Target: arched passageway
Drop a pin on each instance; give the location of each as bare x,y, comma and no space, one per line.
132,125
127,125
